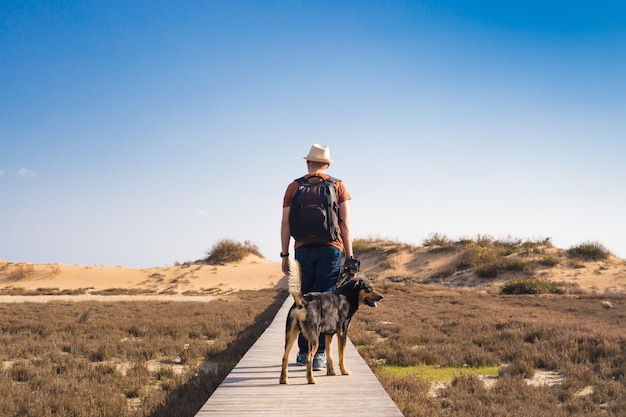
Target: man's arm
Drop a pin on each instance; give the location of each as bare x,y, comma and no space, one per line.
346,232
285,236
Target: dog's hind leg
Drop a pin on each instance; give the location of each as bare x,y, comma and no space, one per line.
290,338
341,338
330,366
313,346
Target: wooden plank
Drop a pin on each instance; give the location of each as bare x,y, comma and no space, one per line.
252,387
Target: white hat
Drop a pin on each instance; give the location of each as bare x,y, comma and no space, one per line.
319,153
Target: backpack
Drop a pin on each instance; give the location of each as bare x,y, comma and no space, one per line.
314,212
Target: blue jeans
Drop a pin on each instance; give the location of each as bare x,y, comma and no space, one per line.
320,266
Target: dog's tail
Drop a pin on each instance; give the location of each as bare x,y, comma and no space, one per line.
295,282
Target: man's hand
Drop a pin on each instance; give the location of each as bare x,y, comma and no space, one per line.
285,265
351,266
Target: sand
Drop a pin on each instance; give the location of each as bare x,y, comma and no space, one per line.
190,281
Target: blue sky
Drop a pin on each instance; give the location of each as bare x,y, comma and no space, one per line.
140,133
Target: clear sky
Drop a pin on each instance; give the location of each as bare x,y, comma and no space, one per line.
140,133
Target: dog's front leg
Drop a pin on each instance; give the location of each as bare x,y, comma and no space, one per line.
330,366
341,338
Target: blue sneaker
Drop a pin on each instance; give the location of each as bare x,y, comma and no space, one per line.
319,361
301,359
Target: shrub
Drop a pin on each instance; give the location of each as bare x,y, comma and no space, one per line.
438,241
519,265
518,367
365,245
227,250
532,286
589,251
386,264
488,270
549,261
379,245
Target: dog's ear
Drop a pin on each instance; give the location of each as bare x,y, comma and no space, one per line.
363,285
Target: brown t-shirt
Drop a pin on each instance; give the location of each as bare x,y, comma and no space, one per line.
342,195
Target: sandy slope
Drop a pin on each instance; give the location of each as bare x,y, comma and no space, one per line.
253,273
422,264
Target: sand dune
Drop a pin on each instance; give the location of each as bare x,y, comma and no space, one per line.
199,280
189,279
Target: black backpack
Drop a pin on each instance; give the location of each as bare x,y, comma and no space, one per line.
314,213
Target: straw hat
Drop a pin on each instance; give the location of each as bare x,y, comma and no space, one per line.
319,153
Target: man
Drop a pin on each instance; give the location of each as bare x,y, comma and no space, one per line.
320,262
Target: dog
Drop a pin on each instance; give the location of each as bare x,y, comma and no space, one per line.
325,313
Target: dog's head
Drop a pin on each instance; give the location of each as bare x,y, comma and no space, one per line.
367,295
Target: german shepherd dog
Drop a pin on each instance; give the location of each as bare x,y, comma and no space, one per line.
325,313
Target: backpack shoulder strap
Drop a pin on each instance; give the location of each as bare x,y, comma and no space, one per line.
304,180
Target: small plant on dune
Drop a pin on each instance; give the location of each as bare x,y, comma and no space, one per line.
494,263
227,250
365,245
589,251
549,261
532,286
437,239
386,264
438,242
379,245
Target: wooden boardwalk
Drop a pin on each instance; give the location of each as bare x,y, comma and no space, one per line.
252,388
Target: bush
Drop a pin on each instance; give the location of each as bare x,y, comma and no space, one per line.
532,286
549,261
438,241
488,270
589,251
361,246
518,367
227,250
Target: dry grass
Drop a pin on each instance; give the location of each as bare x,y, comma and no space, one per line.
132,359
421,326
136,358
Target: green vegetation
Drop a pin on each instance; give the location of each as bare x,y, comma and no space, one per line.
377,245
488,257
589,251
532,286
436,373
227,250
